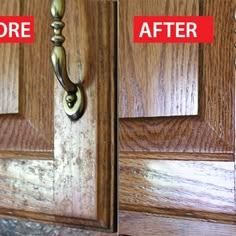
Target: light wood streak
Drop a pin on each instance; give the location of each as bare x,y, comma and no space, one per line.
150,185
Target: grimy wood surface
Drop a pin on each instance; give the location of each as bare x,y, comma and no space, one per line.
156,79
9,66
150,225
75,186
182,166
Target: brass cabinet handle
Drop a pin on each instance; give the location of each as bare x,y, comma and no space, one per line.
74,97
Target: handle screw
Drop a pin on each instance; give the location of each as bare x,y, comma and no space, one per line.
71,100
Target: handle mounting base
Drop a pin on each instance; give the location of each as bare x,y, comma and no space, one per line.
74,109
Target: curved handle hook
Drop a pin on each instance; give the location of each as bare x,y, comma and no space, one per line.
74,98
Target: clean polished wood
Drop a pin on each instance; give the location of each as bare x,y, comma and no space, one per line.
184,156
156,79
176,135
147,224
211,131
178,166
9,66
75,186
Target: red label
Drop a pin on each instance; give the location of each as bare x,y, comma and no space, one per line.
16,29
173,29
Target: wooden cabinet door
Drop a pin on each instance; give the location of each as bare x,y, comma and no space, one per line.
177,122
54,170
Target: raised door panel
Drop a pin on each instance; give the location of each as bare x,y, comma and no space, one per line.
27,83
157,79
9,67
52,169
211,131
177,164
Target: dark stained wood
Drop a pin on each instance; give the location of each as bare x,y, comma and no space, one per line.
156,79
19,135
180,166
31,130
76,186
36,82
212,130
177,166
183,156
26,155
154,225
201,185
175,135
9,66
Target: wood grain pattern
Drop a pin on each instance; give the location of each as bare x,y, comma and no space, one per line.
234,40
20,135
31,130
154,225
176,135
26,155
26,185
183,156
76,187
9,66
156,79
201,184
37,80
212,130
178,187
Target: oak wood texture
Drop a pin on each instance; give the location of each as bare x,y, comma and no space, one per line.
211,131
178,188
31,130
179,166
76,185
184,156
156,79
9,66
154,225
